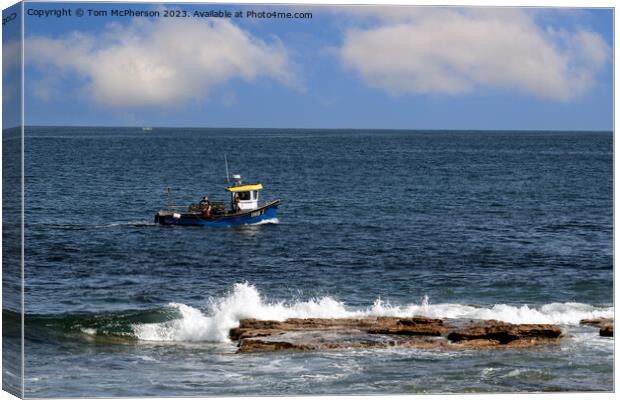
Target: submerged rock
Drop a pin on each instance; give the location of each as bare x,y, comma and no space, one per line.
416,332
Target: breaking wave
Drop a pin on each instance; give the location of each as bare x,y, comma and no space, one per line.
244,301
182,323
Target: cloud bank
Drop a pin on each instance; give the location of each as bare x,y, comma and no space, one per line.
160,63
456,51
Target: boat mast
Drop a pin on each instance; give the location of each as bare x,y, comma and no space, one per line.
169,199
227,174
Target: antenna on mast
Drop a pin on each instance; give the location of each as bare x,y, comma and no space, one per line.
227,174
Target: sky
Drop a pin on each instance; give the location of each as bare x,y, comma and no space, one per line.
11,72
372,67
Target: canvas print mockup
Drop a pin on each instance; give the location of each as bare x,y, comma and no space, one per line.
253,199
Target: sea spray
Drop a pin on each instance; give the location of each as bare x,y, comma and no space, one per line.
425,303
224,313
245,301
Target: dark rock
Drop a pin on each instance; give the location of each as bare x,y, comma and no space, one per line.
238,334
607,330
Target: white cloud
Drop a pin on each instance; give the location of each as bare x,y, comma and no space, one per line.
455,51
11,55
161,63
11,61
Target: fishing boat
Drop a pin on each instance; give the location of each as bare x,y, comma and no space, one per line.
244,209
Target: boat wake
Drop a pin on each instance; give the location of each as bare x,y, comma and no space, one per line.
266,222
127,223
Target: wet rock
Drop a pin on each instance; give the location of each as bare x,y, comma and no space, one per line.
257,345
415,326
420,326
505,333
477,344
254,327
598,322
239,334
605,325
311,334
607,330
249,328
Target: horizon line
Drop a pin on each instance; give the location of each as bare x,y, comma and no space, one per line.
317,129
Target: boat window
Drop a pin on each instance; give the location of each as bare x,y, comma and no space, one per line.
255,195
244,196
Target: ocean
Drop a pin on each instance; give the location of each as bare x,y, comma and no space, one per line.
512,226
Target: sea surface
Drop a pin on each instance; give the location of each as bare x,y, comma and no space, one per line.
513,226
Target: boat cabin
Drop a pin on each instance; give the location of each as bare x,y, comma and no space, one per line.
243,197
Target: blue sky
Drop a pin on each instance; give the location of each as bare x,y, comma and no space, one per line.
348,67
11,77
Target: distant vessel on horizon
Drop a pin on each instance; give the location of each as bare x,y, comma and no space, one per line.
147,128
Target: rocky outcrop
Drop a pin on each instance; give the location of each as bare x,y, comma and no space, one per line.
249,328
382,332
605,325
420,326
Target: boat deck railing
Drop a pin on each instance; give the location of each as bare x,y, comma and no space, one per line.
195,207
218,207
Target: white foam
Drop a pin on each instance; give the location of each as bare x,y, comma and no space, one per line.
244,301
89,331
267,221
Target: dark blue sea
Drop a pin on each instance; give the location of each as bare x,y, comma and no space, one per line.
512,226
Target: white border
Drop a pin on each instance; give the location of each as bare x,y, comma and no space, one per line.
490,3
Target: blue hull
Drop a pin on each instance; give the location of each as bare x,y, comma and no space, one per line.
265,213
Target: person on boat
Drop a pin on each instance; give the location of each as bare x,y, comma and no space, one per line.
205,206
236,202
204,202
